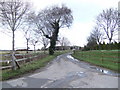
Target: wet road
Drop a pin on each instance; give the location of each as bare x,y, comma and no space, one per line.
66,72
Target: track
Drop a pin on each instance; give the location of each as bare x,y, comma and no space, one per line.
66,72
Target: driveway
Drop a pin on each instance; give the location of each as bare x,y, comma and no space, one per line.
66,72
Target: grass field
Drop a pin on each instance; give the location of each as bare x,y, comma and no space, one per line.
3,53
29,67
105,58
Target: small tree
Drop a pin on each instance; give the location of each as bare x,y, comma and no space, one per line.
92,43
11,16
97,34
45,42
42,39
33,42
27,34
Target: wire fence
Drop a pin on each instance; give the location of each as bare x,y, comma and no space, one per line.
108,59
105,56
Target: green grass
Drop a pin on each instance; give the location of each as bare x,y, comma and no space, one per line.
105,58
29,67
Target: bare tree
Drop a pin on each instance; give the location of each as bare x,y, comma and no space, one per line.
27,34
97,34
11,16
34,40
41,38
50,20
108,21
45,42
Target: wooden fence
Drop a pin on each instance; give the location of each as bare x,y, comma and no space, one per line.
21,59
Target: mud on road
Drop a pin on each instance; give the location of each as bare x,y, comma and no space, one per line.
66,72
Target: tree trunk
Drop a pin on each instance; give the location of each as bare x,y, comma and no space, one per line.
13,52
52,46
27,45
13,42
34,48
44,48
54,39
110,42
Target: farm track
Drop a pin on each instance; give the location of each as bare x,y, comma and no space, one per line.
66,72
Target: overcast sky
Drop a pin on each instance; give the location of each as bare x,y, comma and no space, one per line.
84,13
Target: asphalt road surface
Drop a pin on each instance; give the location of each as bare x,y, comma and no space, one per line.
66,72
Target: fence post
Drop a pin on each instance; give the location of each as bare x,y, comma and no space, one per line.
81,54
102,57
102,61
13,61
89,54
24,57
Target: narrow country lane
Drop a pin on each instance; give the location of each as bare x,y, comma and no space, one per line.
66,72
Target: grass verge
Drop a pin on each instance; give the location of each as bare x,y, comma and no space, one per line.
28,67
107,59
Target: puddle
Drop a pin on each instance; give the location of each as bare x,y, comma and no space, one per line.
105,71
72,58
